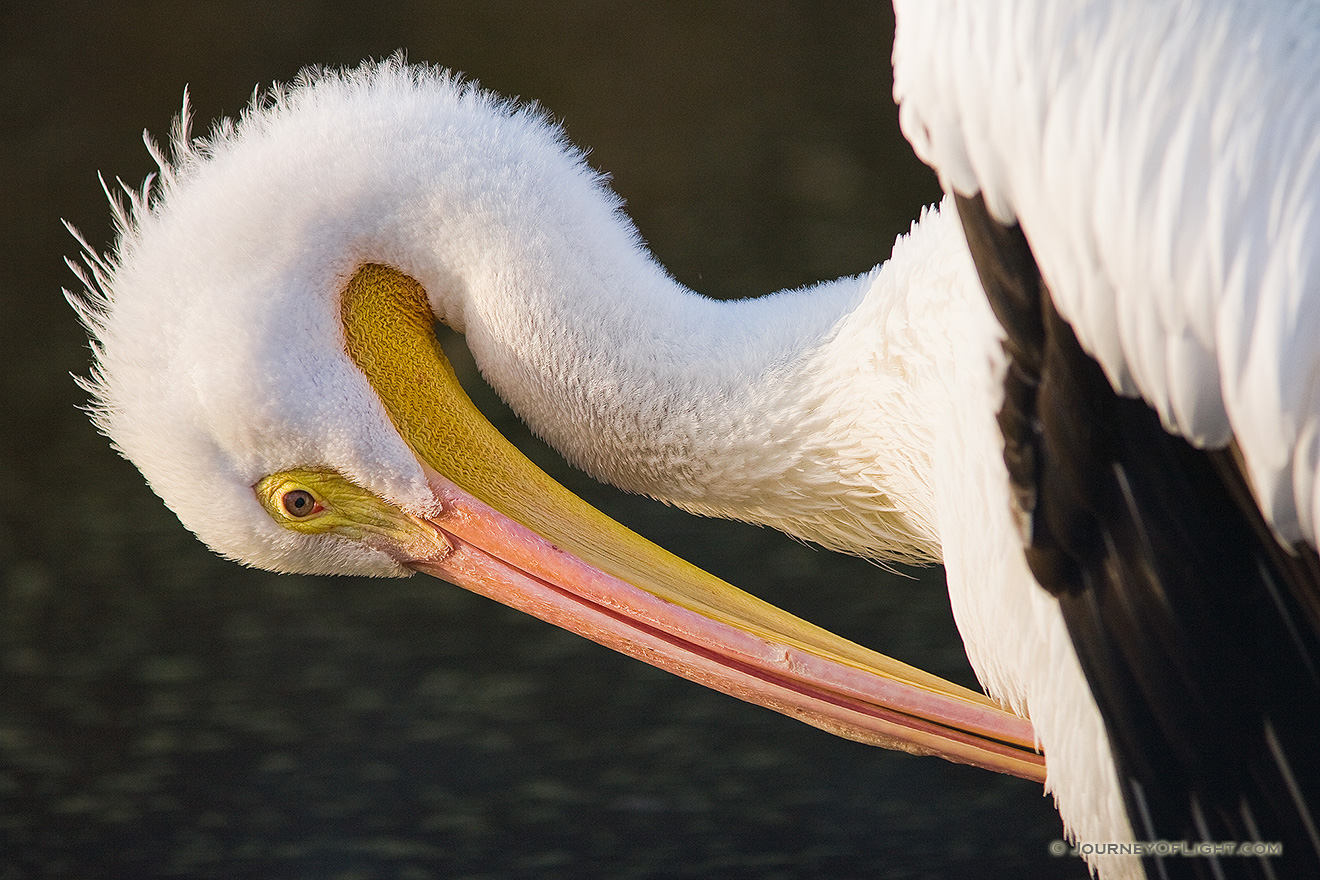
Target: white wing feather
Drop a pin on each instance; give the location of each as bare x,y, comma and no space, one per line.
1164,162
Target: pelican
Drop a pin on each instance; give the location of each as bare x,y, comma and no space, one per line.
262,335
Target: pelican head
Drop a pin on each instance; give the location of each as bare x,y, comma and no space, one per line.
263,334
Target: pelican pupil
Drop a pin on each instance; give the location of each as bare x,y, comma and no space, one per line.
299,503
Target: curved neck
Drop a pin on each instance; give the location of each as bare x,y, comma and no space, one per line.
794,410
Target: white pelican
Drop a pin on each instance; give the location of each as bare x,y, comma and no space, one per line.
263,353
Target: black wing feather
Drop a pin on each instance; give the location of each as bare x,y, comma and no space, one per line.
1199,633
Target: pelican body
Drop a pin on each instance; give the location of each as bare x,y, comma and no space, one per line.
1139,185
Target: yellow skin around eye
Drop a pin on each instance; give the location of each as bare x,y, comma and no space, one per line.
346,509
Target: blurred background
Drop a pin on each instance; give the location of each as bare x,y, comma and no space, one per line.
164,713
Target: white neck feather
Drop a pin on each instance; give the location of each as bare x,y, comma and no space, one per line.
795,409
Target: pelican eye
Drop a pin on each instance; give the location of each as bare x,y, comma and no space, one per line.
304,500
320,501
299,503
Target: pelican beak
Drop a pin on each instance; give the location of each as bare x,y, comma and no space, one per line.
690,623
506,530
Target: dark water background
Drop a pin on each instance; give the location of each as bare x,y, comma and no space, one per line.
164,713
